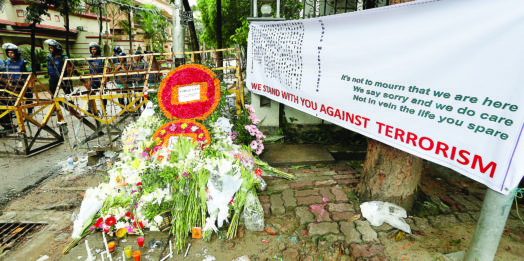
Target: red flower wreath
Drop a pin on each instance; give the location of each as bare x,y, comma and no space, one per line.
189,75
187,128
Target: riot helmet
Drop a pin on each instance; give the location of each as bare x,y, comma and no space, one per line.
97,46
11,47
57,47
117,50
138,58
122,54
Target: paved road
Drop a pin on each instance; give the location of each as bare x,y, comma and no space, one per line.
18,173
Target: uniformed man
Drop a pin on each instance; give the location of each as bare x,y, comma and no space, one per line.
55,63
96,67
16,65
5,121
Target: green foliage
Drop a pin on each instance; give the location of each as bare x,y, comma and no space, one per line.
154,25
36,10
40,55
241,33
233,15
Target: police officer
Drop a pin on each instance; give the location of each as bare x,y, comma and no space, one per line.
5,121
117,50
96,66
153,77
123,80
138,64
16,64
55,63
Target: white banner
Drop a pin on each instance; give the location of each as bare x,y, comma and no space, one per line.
437,79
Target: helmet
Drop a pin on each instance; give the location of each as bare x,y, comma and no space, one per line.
123,54
148,52
95,45
11,47
117,50
56,45
137,53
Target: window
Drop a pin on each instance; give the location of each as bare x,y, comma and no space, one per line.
265,102
57,18
20,13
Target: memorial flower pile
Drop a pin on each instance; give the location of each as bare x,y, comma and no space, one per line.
175,177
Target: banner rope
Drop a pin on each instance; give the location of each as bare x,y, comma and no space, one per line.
517,193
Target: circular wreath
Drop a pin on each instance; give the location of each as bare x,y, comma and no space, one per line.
187,128
183,76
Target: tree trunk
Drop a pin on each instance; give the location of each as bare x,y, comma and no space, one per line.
101,23
389,175
192,31
219,32
66,7
34,64
130,33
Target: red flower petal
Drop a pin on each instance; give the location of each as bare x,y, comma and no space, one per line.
110,221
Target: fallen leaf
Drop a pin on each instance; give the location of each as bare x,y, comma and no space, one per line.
354,217
399,236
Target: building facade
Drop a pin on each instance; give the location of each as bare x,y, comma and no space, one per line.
84,28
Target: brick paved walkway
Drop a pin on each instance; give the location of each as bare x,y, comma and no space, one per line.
322,201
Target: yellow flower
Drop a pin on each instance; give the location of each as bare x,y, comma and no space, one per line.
163,132
200,135
158,141
183,126
136,163
121,232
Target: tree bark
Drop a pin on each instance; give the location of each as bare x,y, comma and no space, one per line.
192,31
34,64
389,175
101,23
130,33
219,32
66,9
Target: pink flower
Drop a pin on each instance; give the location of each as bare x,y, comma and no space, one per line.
254,119
259,151
185,174
253,145
325,199
250,109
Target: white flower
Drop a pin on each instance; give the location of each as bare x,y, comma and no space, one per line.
158,220
121,224
224,124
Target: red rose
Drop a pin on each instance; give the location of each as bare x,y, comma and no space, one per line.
139,184
145,96
98,222
139,223
106,230
128,214
258,172
132,217
147,149
110,221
